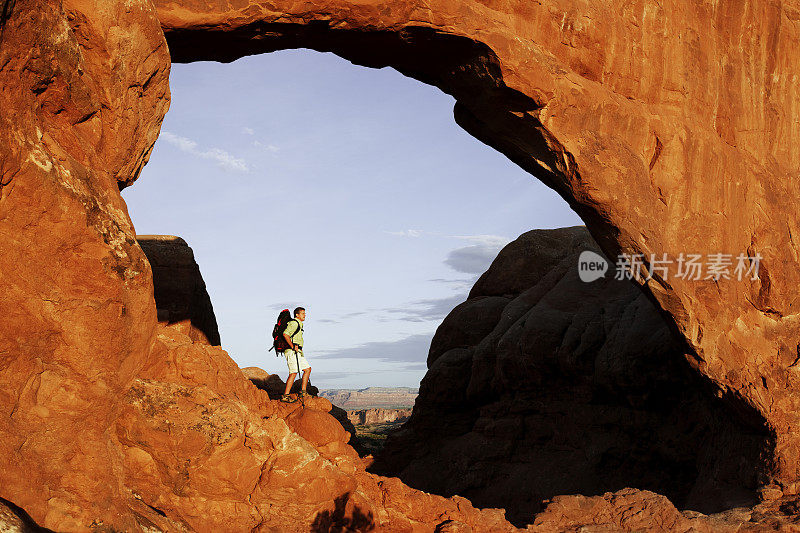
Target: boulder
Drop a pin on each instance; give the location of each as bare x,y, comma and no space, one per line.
566,387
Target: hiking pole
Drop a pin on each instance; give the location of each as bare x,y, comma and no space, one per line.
297,361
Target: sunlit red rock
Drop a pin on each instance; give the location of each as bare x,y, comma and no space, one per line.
83,90
670,127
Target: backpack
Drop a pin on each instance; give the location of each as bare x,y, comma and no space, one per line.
279,343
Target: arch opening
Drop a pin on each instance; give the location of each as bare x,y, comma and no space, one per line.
490,111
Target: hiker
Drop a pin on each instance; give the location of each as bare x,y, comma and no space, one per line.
293,335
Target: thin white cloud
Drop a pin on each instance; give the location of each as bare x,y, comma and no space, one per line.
222,158
412,351
282,305
346,316
248,131
268,147
462,284
429,310
406,233
484,240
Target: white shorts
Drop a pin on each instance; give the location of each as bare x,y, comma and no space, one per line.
293,359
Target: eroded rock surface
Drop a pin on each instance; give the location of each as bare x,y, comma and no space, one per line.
632,510
205,450
542,384
670,127
182,301
83,89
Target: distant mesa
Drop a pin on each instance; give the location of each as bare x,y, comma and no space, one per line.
372,397
378,416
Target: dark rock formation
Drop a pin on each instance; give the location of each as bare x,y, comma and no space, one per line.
182,301
541,384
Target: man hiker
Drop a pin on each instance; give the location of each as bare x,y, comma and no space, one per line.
294,355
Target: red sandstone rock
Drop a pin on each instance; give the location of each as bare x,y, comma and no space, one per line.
669,127
317,427
198,437
631,510
83,89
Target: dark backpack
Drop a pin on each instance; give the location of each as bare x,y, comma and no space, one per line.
279,343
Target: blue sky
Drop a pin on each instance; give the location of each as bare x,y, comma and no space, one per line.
299,178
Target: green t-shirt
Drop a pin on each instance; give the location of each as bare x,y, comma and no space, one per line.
290,330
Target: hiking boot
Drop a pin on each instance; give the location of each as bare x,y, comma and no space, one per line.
285,398
303,394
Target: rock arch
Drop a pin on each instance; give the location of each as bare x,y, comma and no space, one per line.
662,132
701,158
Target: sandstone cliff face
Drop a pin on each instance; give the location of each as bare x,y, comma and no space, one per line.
670,127
182,301
83,91
204,450
542,384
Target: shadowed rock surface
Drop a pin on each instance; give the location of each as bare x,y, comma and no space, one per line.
182,301
541,384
